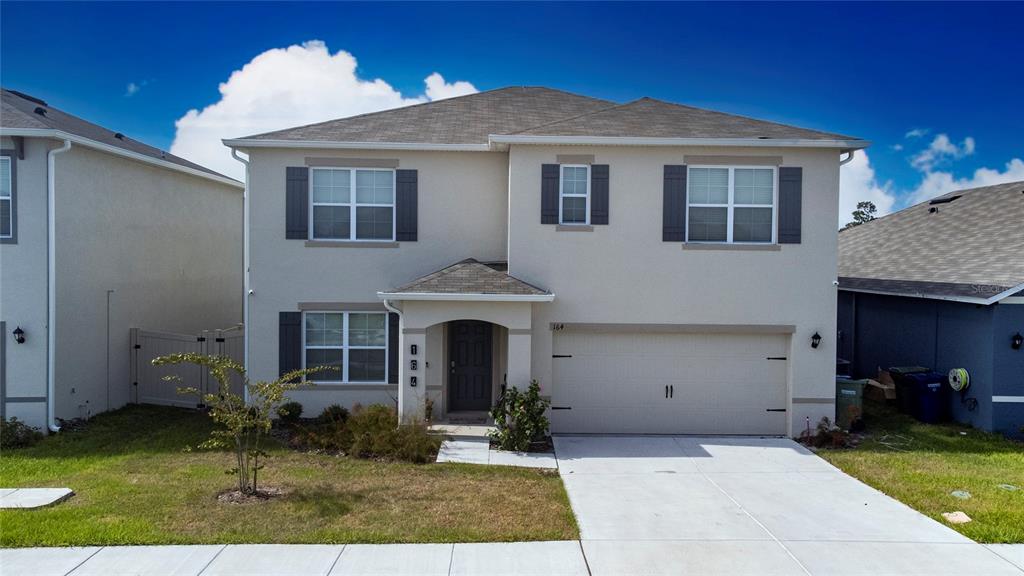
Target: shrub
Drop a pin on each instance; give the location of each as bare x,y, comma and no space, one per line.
333,413
520,418
371,432
16,434
826,435
289,412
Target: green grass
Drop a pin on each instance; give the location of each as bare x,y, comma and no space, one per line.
137,481
920,464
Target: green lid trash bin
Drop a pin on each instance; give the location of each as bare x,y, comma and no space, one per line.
849,402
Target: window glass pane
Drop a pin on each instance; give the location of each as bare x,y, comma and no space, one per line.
373,223
331,357
5,217
708,186
331,186
5,177
366,330
751,224
708,224
323,329
374,187
574,209
366,365
331,222
753,186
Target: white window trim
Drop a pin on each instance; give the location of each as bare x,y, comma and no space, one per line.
9,199
562,195
353,205
345,347
732,205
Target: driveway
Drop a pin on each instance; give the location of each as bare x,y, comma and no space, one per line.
730,505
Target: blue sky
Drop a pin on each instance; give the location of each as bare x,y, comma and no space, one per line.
875,71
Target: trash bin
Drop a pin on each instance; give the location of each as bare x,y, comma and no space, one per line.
905,389
849,402
929,393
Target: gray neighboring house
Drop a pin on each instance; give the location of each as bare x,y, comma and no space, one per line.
657,268
941,285
100,233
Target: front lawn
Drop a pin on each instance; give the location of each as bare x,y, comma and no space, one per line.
921,464
138,480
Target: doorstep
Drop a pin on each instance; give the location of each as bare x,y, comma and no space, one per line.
469,450
32,497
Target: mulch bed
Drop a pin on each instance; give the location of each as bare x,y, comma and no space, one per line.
544,445
261,495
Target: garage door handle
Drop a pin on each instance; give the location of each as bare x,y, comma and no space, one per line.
775,358
561,407
775,410
671,391
666,391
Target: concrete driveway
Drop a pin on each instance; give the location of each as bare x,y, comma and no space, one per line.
728,505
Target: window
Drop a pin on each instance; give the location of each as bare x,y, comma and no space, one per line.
354,344
6,198
730,205
352,204
574,195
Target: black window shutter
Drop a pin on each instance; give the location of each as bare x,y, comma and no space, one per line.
673,208
599,194
289,355
393,351
790,198
296,203
406,205
549,194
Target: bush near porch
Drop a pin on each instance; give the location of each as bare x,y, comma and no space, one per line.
920,464
138,480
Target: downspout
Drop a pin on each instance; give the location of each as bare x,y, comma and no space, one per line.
247,289
849,157
51,285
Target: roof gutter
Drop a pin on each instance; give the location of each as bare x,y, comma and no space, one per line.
444,296
845,145
89,143
334,145
51,284
966,299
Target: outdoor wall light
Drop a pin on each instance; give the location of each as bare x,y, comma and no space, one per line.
19,335
1016,341
815,340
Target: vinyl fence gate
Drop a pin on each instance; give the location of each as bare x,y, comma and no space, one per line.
147,381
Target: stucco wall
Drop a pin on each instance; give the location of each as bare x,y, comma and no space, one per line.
624,273
23,288
1008,370
168,244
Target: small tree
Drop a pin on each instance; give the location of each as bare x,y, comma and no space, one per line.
865,212
243,425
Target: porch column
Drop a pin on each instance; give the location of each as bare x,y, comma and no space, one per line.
412,384
519,355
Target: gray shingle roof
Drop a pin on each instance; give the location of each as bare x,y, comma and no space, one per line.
650,118
19,111
538,111
470,277
972,246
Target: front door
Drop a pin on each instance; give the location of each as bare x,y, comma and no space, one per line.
469,365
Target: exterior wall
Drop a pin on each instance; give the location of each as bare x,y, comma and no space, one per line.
1008,370
169,245
23,290
624,273
462,213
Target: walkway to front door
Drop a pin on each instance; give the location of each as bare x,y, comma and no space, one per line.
469,359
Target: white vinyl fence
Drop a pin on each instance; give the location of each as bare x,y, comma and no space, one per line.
147,381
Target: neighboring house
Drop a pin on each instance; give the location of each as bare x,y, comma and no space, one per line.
941,285
656,267
100,233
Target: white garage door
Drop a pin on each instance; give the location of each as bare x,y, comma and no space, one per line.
650,383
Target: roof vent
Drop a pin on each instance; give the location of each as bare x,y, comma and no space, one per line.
40,110
118,135
943,200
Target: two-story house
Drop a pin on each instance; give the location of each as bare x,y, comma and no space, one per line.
657,268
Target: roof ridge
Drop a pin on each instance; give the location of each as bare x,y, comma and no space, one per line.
568,118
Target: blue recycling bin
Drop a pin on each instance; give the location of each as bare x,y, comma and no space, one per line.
928,398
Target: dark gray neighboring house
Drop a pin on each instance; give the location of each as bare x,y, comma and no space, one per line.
941,285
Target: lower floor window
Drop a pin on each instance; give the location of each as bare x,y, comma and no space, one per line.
352,345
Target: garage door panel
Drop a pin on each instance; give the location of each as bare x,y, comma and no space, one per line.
722,383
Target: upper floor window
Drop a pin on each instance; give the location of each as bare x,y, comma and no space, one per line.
574,195
354,344
6,198
731,204
352,204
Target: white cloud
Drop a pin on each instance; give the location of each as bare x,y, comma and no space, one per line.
941,149
285,87
916,133
938,183
896,147
858,183
133,88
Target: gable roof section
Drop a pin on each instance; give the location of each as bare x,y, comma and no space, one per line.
468,280
19,117
970,248
530,114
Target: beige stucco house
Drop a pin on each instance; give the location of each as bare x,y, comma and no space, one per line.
657,268
100,233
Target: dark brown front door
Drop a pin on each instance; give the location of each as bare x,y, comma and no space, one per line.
469,365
